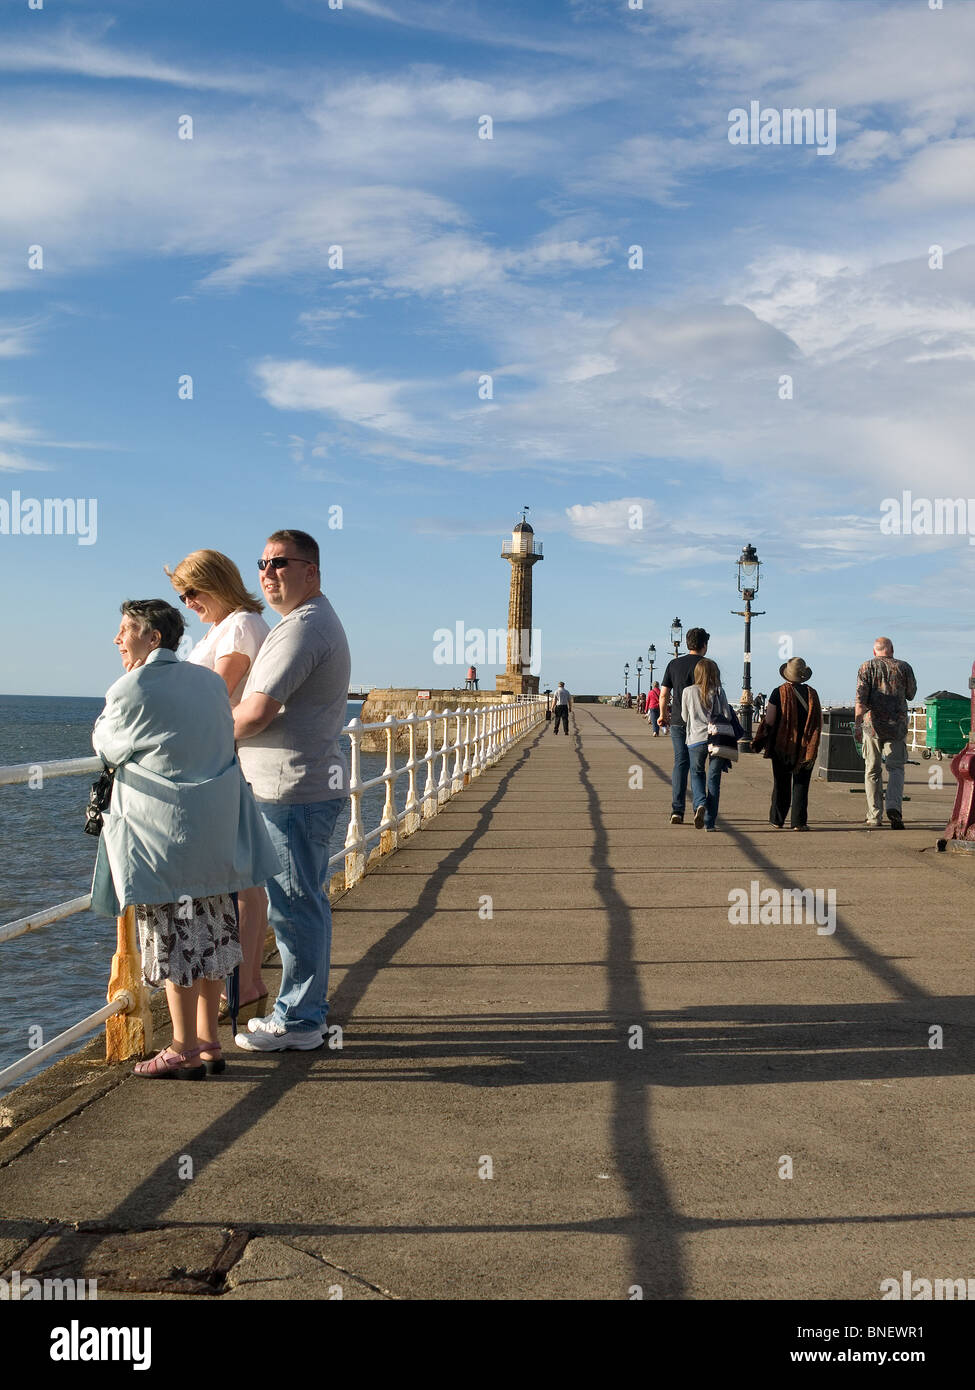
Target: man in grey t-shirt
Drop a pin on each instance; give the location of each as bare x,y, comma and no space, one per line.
562,703
287,726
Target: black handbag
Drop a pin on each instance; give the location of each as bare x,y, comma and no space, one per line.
99,799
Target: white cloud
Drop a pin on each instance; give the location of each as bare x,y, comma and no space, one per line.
942,174
71,52
334,391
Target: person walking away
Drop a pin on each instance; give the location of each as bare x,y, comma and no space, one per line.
789,736
210,585
884,687
703,703
288,725
677,677
653,707
562,703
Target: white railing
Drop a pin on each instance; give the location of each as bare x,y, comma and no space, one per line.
481,735
917,729
468,740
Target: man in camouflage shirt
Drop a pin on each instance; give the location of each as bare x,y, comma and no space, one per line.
884,687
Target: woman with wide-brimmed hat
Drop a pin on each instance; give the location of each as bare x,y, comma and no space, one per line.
789,737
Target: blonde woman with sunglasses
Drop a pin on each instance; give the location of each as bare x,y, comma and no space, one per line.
210,585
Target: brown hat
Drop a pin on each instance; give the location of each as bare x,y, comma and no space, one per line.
796,672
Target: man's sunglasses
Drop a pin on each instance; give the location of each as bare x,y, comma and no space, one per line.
278,562
188,594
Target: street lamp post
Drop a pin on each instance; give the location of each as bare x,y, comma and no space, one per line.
749,568
676,632
639,670
652,659
626,680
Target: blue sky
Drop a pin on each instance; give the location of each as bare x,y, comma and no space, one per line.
357,387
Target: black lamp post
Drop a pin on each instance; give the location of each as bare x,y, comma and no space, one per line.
639,669
749,570
626,680
676,633
652,659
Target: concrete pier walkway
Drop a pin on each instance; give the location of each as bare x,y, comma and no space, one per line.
492,1127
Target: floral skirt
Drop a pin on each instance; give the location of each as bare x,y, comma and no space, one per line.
189,940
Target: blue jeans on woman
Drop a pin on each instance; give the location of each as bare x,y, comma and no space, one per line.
706,793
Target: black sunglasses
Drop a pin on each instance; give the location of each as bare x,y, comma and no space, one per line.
188,594
278,562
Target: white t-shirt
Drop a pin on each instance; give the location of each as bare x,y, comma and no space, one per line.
238,632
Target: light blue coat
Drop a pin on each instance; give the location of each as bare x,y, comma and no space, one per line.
182,819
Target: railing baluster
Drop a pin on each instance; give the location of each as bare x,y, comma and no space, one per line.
457,779
466,766
429,788
411,812
355,845
443,785
389,836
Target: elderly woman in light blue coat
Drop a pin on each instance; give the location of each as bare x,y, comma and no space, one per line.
182,831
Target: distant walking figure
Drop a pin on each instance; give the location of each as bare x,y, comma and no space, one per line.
789,736
562,703
471,682
884,687
653,707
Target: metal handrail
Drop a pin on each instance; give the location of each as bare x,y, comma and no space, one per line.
488,732
64,767
45,917
121,1004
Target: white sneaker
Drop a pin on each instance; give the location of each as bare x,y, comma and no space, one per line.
277,1038
262,1025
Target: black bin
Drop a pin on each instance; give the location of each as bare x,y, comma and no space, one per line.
838,759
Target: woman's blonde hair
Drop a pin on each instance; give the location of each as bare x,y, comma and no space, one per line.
212,573
707,678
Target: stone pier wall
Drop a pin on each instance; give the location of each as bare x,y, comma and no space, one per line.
401,703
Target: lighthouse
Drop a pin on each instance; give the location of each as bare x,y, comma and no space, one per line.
522,552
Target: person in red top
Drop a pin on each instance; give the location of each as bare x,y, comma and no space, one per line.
652,709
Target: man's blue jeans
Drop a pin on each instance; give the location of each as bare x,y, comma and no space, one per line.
707,793
299,910
681,766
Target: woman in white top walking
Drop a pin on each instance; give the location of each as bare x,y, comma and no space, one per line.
702,703
210,585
